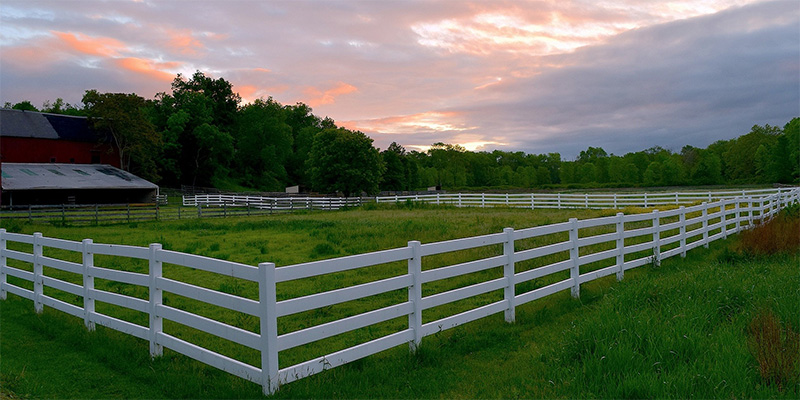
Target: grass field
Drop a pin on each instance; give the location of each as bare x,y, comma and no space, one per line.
680,330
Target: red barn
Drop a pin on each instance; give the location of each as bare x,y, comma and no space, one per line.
45,156
32,137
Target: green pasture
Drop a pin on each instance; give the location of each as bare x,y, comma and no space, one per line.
549,352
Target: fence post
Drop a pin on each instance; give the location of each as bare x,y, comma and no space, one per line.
415,293
738,217
267,297
705,224
3,294
645,200
156,298
723,208
506,199
88,284
615,201
199,213
558,203
483,200
586,200
508,272
676,198
459,199
574,271
38,271
533,201
437,199
683,231
620,246
656,239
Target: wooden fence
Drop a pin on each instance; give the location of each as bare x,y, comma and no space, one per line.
588,250
81,214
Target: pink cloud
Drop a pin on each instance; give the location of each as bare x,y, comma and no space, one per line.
101,47
155,70
431,121
318,97
184,42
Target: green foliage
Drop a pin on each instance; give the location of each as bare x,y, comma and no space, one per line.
123,116
344,161
264,141
22,105
204,137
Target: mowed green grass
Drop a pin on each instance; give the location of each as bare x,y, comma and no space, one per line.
617,340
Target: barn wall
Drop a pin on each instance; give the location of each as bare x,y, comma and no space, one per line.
34,150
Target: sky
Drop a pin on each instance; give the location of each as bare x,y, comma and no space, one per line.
534,76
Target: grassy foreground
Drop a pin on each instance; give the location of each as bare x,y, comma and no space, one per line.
681,330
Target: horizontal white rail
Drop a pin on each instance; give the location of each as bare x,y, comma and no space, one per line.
603,246
519,200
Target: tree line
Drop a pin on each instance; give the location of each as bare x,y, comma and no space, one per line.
201,134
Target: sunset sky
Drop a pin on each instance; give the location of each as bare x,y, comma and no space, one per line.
538,76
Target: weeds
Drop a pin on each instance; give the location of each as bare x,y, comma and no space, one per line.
776,348
779,235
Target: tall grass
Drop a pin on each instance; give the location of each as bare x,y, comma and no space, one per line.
678,330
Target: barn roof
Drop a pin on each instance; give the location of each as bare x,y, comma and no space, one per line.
31,124
29,176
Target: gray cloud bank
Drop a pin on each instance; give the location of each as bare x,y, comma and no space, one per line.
692,82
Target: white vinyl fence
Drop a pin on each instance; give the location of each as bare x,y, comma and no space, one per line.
568,254
521,200
277,204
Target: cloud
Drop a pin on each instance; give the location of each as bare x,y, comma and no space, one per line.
183,41
434,121
316,97
101,47
154,70
537,76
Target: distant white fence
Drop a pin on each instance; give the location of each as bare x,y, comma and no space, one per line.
519,200
277,204
607,245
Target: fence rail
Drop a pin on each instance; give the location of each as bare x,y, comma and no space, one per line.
522,200
588,249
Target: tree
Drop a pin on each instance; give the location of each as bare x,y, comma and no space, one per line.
707,169
24,105
180,117
587,173
211,153
394,177
122,115
60,107
223,100
740,161
652,175
344,161
792,132
671,172
264,143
